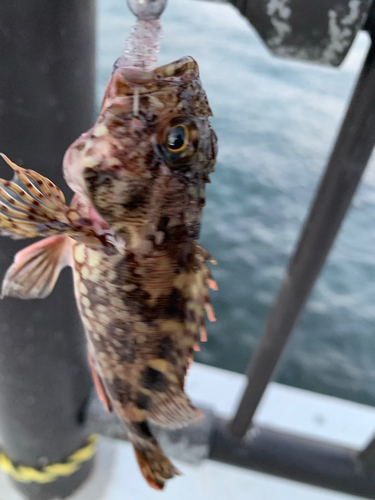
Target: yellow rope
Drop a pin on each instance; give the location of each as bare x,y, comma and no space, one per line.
50,473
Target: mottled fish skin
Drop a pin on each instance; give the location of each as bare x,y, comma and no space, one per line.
132,232
142,327
143,310
122,164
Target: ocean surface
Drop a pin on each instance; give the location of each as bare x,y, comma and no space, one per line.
276,120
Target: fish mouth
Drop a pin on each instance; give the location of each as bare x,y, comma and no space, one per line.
135,77
126,79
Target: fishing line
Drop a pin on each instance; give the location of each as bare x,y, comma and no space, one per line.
136,102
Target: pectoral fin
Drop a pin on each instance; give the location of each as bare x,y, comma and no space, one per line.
36,268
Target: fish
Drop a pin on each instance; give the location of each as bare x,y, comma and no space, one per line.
131,237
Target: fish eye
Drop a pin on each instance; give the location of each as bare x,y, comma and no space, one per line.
177,138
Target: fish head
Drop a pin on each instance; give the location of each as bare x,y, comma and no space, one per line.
150,153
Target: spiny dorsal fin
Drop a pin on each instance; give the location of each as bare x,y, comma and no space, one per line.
31,206
39,186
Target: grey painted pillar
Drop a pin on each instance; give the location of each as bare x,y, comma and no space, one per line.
47,70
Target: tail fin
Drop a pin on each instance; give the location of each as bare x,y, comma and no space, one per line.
155,466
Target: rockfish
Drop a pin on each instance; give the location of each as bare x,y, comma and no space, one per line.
131,236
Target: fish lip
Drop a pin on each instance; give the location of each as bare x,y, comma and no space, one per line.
135,77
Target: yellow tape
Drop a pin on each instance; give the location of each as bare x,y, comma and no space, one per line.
50,473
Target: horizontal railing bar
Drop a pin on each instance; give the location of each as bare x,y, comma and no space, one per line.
264,450
296,458
348,160
367,455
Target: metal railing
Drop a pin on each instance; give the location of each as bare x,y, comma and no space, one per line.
53,426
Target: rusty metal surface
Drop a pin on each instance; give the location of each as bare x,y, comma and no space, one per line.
319,31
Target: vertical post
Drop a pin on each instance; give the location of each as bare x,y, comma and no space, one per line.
46,101
348,160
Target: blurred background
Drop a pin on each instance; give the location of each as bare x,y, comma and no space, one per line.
276,120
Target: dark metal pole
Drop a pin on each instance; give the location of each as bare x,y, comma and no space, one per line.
46,100
294,457
367,455
348,160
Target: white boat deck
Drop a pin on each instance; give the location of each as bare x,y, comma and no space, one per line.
116,476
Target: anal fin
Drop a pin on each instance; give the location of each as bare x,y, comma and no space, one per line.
174,411
36,268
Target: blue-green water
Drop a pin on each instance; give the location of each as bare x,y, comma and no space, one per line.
276,121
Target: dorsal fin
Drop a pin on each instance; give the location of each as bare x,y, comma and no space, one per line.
32,206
